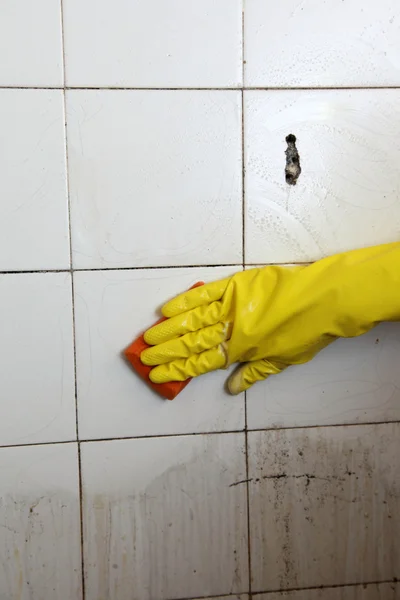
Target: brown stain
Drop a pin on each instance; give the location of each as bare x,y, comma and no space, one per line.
334,494
166,541
101,541
36,533
20,578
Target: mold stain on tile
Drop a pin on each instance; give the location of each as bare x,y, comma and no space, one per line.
338,493
293,168
165,530
33,530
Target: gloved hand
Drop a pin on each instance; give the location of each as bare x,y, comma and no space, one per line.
273,317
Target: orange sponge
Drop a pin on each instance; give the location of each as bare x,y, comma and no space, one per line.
167,390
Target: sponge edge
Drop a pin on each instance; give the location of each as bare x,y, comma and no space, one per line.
132,353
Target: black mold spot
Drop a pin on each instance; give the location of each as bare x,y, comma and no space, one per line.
293,168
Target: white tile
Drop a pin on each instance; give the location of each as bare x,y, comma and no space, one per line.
310,44
34,206
323,506
30,43
37,364
352,381
162,518
40,523
155,177
347,193
379,591
153,43
112,308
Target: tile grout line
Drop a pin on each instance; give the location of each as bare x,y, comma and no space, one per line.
289,590
232,595
124,438
204,89
196,433
333,586
151,267
324,426
243,267
73,303
246,441
243,192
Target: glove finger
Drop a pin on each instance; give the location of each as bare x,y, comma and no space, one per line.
195,297
248,373
186,345
183,368
195,319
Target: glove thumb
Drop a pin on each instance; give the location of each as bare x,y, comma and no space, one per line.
248,373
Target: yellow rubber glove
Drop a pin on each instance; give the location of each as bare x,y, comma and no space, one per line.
273,317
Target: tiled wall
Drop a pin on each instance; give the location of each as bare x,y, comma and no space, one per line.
142,149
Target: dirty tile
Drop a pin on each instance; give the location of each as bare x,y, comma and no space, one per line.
320,499
153,43
37,360
170,524
240,597
346,195
34,207
111,309
30,43
292,45
155,178
352,381
40,529
373,591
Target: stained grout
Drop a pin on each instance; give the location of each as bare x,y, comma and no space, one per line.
67,183
163,435
198,433
216,596
73,308
161,267
244,266
34,272
243,192
204,89
152,268
288,590
121,438
325,587
324,426
32,444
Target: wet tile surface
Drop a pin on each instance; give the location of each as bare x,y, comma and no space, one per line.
39,523
112,309
327,44
346,195
153,43
165,190
164,506
37,366
31,44
33,182
351,381
319,500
